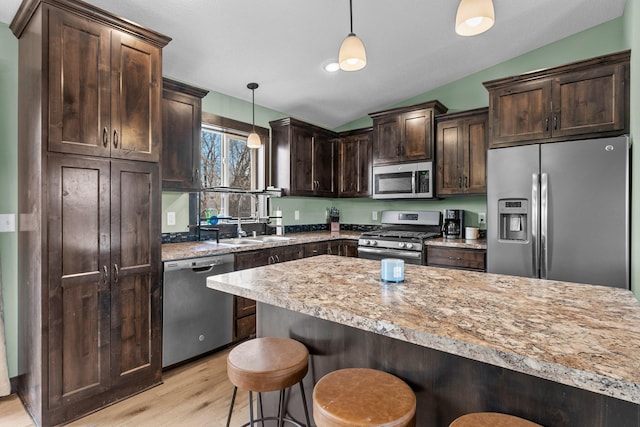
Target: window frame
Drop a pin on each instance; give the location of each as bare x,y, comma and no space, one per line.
260,158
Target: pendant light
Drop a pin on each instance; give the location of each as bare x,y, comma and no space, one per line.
474,17
253,141
352,55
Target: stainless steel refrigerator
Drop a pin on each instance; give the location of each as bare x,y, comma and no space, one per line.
560,211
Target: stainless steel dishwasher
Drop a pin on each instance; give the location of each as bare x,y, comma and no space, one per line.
196,319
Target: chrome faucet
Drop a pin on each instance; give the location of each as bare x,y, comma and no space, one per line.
240,231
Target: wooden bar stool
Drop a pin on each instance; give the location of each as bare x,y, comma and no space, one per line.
491,419
268,364
363,397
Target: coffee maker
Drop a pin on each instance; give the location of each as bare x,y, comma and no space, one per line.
453,225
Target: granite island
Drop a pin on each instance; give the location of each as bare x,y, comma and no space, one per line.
557,353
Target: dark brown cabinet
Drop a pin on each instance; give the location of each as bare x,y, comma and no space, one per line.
460,258
331,247
355,160
461,153
580,100
304,158
244,311
405,134
181,123
89,257
105,90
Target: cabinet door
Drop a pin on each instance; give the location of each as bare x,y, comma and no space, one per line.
79,291
520,113
252,259
349,167
364,165
181,121
459,258
288,253
135,98
589,101
416,141
135,265
449,147
474,175
350,248
302,181
324,166
386,140
79,85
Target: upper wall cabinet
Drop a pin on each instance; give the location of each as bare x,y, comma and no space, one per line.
105,87
580,100
405,134
461,152
304,159
355,163
181,123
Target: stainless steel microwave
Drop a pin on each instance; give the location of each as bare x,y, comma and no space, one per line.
403,181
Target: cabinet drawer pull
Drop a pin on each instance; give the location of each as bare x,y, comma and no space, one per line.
546,124
105,137
455,258
277,258
105,274
459,182
555,122
271,260
116,273
466,182
115,138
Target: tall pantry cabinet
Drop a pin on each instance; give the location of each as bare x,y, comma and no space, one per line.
89,131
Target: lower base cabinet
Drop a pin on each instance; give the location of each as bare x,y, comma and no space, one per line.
244,309
460,258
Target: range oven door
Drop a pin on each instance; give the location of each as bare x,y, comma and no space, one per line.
409,257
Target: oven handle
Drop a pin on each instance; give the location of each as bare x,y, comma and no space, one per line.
391,252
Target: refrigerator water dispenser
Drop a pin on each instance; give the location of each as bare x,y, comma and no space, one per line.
512,215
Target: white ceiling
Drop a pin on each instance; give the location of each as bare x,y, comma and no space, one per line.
283,45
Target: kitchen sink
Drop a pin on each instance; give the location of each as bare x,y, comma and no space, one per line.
242,241
272,239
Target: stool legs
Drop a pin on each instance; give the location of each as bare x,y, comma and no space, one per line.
281,418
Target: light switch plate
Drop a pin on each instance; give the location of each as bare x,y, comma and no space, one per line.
171,218
296,215
482,218
374,215
7,223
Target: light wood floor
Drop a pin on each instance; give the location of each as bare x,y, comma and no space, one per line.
196,394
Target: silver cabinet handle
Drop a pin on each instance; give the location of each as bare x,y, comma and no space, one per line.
534,223
544,223
115,138
105,274
116,273
105,137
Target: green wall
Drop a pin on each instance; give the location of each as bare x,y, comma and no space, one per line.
9,188
463,94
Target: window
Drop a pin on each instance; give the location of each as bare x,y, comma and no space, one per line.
226,161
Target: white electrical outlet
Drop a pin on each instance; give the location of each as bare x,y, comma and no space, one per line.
374,215
482,219
7,223
171,218
296,215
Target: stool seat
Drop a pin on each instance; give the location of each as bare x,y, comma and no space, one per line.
267,364
491,419
363,397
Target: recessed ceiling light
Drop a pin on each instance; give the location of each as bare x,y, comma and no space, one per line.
332,67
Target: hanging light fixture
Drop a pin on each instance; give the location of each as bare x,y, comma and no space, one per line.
474,17
352,55
253,141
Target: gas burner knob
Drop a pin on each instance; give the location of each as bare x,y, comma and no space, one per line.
401,244
373,242
409,245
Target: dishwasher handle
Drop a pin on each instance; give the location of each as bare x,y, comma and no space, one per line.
201,264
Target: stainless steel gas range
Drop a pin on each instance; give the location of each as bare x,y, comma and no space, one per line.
401,235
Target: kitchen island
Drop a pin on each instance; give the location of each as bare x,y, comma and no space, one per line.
553,352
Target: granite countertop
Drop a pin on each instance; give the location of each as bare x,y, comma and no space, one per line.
457,243
584,336
174,251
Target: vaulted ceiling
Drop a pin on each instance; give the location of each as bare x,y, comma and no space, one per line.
222,45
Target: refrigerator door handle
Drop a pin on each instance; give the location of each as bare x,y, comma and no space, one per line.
535,179
544,206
